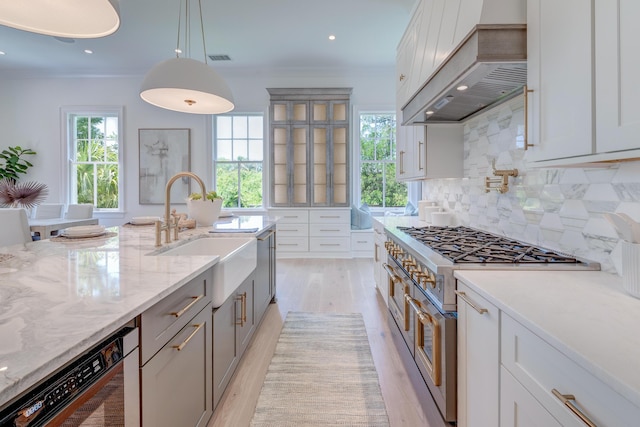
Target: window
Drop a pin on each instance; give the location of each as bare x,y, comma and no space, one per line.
378,186
94,158
238,159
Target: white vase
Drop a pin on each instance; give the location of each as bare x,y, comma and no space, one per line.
205,212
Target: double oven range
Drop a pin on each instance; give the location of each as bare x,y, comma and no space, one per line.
422,294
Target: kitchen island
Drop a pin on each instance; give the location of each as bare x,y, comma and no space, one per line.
59,298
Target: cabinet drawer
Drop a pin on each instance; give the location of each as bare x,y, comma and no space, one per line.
162,321
291,216
329,244
361,241
330,216
326,230
292,230
176,382
292,244
541,368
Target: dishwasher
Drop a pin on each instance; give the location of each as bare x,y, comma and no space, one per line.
99,388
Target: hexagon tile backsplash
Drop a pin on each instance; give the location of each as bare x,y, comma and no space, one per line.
558,208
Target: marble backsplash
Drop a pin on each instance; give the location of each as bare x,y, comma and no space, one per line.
559,208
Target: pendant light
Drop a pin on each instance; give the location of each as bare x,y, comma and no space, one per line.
75,19
185,84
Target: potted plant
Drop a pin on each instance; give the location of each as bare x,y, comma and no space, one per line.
14,163
206,211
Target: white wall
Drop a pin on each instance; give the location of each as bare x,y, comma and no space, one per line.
30,117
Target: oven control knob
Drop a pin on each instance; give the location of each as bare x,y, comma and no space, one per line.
408,261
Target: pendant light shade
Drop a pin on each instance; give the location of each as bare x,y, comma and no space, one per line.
74,19
188,86
185,84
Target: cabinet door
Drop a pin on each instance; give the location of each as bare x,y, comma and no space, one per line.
245,319
617,68
559,72
176,382
518,408
262,286
478,371
225,356
440,151
406,55
289,164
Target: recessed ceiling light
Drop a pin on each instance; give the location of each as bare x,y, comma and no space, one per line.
1,52
177,50
462,87
88,51
429,112
332,37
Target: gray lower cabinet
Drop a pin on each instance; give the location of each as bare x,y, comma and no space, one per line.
176,381
233,327
265,280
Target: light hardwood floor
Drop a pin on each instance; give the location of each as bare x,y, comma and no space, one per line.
322,285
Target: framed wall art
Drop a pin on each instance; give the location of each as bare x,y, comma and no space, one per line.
162,154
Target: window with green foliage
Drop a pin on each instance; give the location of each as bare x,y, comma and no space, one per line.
238,159
94,158
378,186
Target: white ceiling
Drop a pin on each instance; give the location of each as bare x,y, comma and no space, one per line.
258,35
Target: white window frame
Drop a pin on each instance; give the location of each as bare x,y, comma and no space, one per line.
414,188
265,156
66,139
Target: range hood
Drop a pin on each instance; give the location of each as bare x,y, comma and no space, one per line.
491,62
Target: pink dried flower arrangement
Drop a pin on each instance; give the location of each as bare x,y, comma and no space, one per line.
22,194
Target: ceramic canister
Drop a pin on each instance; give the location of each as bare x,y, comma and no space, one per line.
440,219
429,211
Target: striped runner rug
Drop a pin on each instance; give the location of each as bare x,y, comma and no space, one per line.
321,374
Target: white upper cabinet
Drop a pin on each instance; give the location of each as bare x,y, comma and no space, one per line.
559,74
617,69
582,65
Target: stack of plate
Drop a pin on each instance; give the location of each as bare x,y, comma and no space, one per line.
144,220
83,231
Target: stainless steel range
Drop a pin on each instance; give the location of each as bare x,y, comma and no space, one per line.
422,299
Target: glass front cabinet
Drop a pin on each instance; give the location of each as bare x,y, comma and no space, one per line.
309,131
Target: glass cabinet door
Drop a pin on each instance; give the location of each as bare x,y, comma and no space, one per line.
310,147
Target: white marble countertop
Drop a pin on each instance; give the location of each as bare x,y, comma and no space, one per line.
586,315
59,298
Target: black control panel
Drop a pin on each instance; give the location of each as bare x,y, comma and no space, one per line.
45,400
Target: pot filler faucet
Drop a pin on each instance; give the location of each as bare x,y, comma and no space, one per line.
170,223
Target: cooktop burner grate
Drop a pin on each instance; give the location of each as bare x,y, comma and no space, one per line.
468,245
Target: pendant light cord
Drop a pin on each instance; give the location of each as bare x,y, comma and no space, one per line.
204,46
187,49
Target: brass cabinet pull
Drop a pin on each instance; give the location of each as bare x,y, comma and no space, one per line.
187,307
191,335
375,253
401,162
527,91
243,308
567,400
402,76
463,296
420,144
261,239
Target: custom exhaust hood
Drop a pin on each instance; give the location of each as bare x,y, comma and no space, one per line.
487,68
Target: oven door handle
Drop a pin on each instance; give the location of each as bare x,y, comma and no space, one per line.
424,318
393,276
391,272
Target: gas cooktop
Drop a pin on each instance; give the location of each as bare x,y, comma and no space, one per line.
467,245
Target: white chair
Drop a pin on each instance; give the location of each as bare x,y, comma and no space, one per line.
48,210
14,227
82,211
